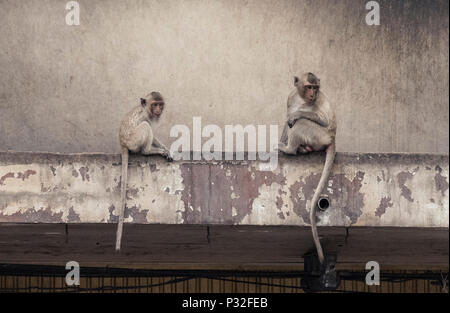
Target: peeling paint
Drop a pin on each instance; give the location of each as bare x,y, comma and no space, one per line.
343,188
32,215
4,177
385,202
362,190
402,178
137,215
132,193
279,203
441,181
84,173
153,168
112,218
73,217
25,175
209,187
20,175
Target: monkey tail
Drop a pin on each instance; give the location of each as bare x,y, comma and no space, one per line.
123,193
331,152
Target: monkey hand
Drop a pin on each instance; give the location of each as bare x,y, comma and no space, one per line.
168,156
291,122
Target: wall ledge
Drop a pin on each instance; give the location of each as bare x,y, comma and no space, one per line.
365,189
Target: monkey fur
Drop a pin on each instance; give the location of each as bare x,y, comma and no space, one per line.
311,126
136,136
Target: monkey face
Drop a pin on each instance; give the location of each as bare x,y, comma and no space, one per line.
153,104
310,92
156,108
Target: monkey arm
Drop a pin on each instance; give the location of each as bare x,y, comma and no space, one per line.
312,116
161,149
157,144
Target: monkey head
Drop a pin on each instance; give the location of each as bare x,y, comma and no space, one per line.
308,86
153,104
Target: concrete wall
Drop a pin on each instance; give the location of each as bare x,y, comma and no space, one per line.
364,189
65,88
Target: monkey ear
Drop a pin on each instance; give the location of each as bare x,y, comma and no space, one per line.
296,80
143,102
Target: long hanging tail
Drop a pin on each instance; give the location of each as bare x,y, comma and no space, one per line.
123,193
331,152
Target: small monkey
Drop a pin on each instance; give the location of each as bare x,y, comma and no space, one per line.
310,126
136,135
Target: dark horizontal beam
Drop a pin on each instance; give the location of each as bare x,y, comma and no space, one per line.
220,247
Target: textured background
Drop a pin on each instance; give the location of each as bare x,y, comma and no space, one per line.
65,88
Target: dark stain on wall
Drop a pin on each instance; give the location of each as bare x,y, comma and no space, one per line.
112,218
20,175
32,215
73,217
25,175
279,202
441,181
402,178
131,193
153,168
84,173
348,191
6,176
213,190
385,203
196,186
139,216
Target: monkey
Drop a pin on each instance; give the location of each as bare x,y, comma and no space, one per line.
310,126
136,136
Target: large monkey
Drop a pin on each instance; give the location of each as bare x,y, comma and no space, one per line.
310,126
136,135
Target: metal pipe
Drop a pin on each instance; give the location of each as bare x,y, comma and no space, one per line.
323,203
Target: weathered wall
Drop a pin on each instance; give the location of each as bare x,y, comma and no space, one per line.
365,190
65,89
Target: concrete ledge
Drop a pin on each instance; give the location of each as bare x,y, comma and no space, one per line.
409,190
